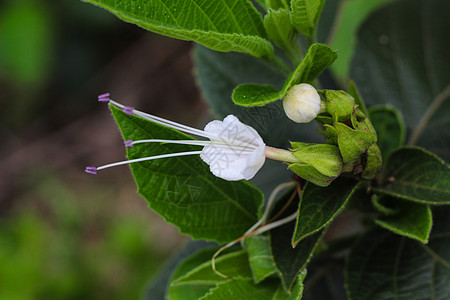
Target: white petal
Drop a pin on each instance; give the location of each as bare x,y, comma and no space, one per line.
233,163
233,131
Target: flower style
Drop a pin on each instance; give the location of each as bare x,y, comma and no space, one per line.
233,151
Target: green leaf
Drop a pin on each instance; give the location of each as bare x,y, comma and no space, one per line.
193,290
250,94
325,280
232,264
360,199
290,261
410,219
183,190
383,265
262,3
259,257
388,124
318,206
318,58
280,31
383,206
305,15
277,4
219,25
416,175
159,285
219,73
401,59
244,288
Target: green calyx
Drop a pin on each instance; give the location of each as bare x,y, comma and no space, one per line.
318,163
346,126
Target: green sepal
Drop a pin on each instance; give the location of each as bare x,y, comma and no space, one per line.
295,145
310,174
340,105
323,119
325,158
361,122
331,134
352,143
373,162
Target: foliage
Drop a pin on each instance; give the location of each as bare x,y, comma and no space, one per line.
362,167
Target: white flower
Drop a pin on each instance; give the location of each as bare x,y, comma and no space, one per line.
302,103
234,150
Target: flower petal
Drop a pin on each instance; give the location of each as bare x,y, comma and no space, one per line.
233,131
237,151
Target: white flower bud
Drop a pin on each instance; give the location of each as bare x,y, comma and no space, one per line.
302,103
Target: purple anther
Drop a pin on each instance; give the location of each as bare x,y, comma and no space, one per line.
128,110
104,97
128,143
91,170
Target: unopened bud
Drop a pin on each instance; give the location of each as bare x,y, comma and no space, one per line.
302,103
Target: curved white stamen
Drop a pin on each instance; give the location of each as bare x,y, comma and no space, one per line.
165,122
125,162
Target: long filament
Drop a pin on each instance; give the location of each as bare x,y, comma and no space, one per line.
165,122
125,162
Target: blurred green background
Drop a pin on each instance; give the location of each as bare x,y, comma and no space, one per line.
65,234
